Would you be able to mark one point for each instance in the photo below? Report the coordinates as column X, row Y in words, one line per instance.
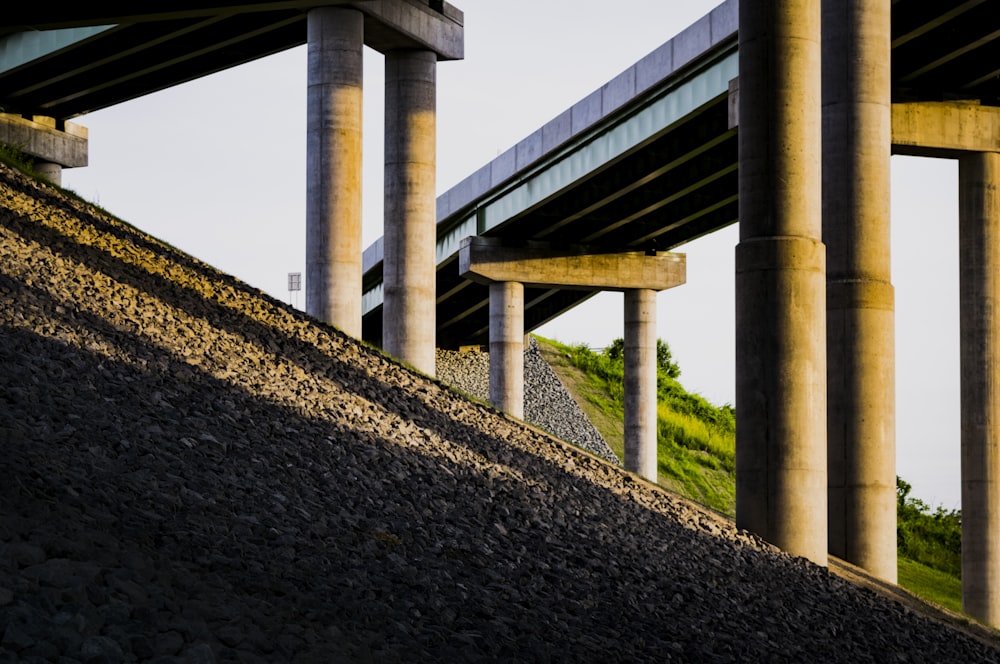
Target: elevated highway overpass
column 721, row 123
column 650, row 160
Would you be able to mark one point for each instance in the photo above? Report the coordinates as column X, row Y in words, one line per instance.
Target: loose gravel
column 193, row 472
column 547, row 403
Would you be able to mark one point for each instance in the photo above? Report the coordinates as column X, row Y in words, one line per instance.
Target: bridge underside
column 94, row 55
column 679, row 186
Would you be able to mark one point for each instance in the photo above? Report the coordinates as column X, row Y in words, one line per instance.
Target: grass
column 931, row 584
column 696, row 443
column 15, row 157
column 696, row 453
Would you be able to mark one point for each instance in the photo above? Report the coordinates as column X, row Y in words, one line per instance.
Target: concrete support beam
column 333, row 167
column 944, row 129
column 432, row 25
column 640, row 383
column 979, row 303
column 43, row 139
column 781, row 491
column 408, row 313
column 861, row 387
column 640, row 276
column 394, row 25
column 539, row 264
column 507, row 347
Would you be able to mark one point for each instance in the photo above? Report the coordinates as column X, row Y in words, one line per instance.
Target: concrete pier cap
column 54, row 145
column 507, row 268
column 486, row 260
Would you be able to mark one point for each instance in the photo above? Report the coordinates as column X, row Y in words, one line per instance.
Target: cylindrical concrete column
column 507, row 347
column 410, row 208
column 640, row 383
column 861, row 385
column 50, row 171
column 333, row 167
column 780, row 281
column 979, row 304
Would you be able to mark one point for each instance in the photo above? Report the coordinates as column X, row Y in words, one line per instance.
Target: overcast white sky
column 216, row 167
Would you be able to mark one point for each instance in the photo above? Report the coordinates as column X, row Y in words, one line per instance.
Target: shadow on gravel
column 153, row 498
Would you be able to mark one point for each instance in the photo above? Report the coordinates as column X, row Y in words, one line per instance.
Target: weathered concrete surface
column 394, row 25
column 49, row 171
column 487, row 260
column 861, row 386
column 408, row 313
column 979, row 305
column 640, row 383
column 195, row 472
column 333, row 167
column 40, row 138
column 781, row 491
column 507, row 347
column 944, row 129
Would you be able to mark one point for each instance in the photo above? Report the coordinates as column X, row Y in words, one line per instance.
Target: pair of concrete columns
column 333, row 203
column 815, row 356
column 507, row 269
column 815, row 390
column 507, row 367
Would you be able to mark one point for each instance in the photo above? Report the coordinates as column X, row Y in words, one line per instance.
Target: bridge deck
column 649, row 160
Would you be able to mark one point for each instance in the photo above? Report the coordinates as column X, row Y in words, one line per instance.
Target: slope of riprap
column 190, row 471
column 547, row 403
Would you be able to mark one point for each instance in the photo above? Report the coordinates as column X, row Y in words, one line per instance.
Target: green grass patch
column 931, row 584
column 696, row 456
column 15, row 157
column 696, row 441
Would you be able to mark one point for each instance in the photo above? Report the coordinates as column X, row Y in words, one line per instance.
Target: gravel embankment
column 547, row 403
column 191, row 472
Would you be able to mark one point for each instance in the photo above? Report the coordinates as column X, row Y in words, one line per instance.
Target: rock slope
column 192, row 472
column 547, row 403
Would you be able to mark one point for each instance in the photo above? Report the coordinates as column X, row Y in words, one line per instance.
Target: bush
column 930, row 537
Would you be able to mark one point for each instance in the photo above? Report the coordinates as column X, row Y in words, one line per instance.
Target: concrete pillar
column 507, row 347
column 410, row 208
column 781, row 491
column 640, row 383
column 50, row 171
column 979, row 303
column 861, row 385
column 333, row 167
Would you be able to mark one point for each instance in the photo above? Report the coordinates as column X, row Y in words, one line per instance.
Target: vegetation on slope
column 696, row 440
column 696, row 451
column 15, row 157
column 929, row 543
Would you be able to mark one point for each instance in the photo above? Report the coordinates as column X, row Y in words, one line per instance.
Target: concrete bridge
column 749, row 114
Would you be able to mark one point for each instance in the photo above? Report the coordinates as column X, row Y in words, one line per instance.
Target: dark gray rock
column 287, row 494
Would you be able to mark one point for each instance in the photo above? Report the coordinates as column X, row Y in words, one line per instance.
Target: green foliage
column 664, row 358
column 696, row 457
column 14, row 156
column 695, row 439
column 937, row 586
column 930, row 537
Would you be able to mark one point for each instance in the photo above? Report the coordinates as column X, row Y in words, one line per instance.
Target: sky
column 216, row 167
